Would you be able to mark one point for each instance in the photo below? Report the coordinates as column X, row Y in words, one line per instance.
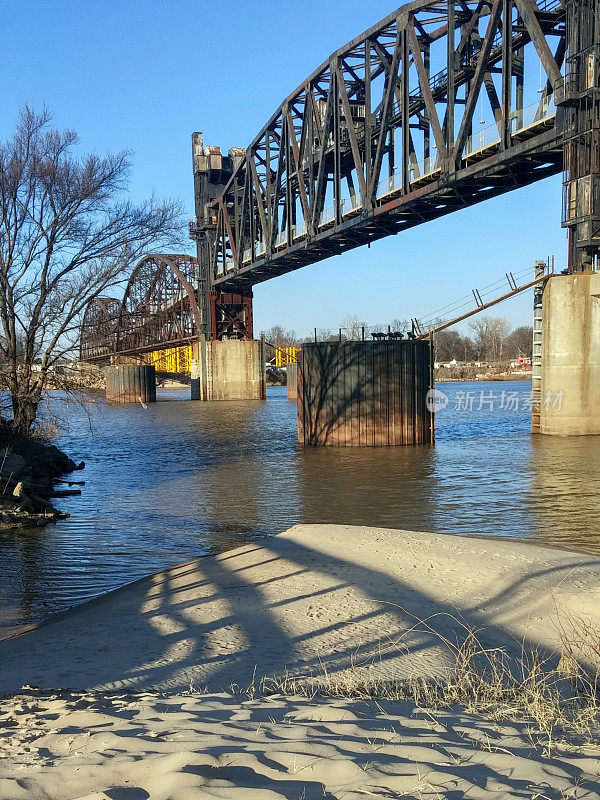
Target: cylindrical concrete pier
column 131, row 383
column 365, row 394
column 292, row 381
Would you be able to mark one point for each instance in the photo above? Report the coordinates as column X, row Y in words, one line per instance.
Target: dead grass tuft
column 557, row 691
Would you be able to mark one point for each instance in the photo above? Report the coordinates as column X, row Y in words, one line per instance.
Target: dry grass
column 558, row 692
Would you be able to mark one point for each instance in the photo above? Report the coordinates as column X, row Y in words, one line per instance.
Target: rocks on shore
column 29, row 469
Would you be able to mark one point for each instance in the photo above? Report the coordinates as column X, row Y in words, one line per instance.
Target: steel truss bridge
column 159, row 310
column 384, row 136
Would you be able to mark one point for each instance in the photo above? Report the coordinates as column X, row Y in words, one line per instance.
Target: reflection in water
column 181, row 479
column 564, row 487
column 389, row 487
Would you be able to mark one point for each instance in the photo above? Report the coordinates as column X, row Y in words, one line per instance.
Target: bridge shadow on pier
column 364, row 393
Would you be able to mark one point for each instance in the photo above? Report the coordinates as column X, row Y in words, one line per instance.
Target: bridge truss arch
column 160, row 306
column 98, row 336
column 159, row 310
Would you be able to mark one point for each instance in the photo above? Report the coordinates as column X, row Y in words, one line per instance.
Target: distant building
column 522, row 362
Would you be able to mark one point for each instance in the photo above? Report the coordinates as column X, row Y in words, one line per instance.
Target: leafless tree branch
column 67, row 235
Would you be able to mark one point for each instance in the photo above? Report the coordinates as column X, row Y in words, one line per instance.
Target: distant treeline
column 490, row 339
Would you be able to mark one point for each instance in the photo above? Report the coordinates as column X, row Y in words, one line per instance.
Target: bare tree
column 519, row 342
column 490, row 334
column 66, row 236
column 400, row 325
column 450, row 345
column 352, row 327
column 278, row 337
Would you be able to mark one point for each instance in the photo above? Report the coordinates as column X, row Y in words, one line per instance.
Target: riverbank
column 138, row 688
column 441, row 375
column 29, row 470
column 472, row 374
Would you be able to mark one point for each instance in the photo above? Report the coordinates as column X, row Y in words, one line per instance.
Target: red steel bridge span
column 159, row 309
column 387, row 134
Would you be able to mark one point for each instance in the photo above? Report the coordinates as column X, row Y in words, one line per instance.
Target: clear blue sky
column 143, row 76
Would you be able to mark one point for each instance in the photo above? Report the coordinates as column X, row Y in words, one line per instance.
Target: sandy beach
column 140, row 694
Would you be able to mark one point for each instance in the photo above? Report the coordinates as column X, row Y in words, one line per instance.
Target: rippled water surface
column 184, row 478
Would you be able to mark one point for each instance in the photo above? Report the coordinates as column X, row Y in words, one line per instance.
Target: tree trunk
column 25, row 406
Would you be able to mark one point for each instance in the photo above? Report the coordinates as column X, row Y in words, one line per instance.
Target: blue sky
column 144, row 76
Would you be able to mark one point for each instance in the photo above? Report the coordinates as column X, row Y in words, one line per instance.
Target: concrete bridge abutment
column 228, row 369
column 570, row 375
column 365, row 394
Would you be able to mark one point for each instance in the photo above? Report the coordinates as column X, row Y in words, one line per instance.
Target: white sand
column 189, row 748
column 313, row 596
column 316, row 596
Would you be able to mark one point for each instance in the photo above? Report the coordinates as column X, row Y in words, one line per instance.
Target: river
column 180, row 479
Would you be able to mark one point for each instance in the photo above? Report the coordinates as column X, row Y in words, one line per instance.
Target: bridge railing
column 536, row 112
column 479, row 141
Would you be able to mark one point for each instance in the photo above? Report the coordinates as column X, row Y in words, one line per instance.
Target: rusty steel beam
column 159, row 304
column 97, row 340
column 480, row 307
column 159, row 309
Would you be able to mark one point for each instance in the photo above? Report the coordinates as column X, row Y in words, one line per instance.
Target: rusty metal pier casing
column 365, row 394
column 131, row 383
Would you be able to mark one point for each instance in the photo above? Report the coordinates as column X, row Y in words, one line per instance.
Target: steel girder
column 581, row 191
column 160, row 306
column 383, row 136
column 231, row 315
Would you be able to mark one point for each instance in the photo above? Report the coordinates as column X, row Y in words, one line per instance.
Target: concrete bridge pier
column 130, row 383
column 292, row 381
column 570, row 381
column 228, row 369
